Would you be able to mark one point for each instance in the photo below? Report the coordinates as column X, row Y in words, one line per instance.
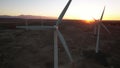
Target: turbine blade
column 104, row 27
column 36, row 27
column 102, row 14
column 55, row 50
column 63, row 13
column 64, row 45
column 94, row 19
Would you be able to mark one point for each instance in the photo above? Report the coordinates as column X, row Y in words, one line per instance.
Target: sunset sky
column 78, row 9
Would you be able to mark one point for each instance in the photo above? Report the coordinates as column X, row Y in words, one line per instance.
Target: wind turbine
column 98, row 25
column 57, row 34
column 26, row 24
column 42, row 21
column 95, row 27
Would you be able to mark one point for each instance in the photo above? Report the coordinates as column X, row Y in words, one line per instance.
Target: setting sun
column 89, row 21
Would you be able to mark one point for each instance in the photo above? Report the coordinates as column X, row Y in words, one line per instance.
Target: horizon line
column 51, row 17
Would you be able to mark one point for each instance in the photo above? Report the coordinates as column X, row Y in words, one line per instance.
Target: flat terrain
column 34, row 49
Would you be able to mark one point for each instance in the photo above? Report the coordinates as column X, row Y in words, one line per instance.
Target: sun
column 89, row 21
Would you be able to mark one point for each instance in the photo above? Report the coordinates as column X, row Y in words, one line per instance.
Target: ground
column 34, row 48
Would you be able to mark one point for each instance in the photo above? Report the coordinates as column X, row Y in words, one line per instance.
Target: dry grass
column 34, row 49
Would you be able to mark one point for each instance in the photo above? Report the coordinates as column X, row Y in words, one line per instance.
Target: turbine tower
column 98, row 26
column 57, row 34
column 42, row 21
column 26, row 24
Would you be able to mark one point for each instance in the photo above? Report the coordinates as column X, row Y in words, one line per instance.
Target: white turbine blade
column 104, row 27
column 102, row 23
column 55, row 50
column 64, row 45
column 94, row 19
column 36, row 27
column 63, row 13
column 102, row 14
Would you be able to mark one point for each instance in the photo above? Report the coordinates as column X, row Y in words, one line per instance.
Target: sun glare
column 89, row 21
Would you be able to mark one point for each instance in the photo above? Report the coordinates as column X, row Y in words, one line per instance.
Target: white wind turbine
column 95, row 26
column 42, row 21
column 57, row 34
column 97, row 29
column 26, row 24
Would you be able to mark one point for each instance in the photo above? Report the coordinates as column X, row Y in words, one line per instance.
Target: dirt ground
column 34, row 48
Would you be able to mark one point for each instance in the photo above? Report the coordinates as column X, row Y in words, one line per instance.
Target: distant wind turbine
column 95, row 26
column 57, row 34
column 42, row 21
column 97, row 29
column 26, row 24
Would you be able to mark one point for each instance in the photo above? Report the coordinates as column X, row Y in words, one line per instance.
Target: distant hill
column 27, row 17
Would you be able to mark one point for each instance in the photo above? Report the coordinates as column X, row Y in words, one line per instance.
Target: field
column 34, row 48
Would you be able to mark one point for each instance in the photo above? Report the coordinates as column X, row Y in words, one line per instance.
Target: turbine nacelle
column 56, row 27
